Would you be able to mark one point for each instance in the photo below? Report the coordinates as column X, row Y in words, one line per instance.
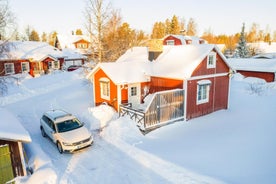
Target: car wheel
column 59, row 147
column 42, row 132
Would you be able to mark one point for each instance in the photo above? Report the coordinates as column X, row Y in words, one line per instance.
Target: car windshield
column 69, row 125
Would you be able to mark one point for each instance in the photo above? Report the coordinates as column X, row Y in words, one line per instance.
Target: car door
column 50, row 129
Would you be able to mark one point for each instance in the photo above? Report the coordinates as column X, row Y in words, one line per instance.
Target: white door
column 134, row 94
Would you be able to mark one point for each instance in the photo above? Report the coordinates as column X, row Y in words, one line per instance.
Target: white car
column 65, row 130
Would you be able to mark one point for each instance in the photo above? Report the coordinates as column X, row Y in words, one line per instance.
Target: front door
column 134, row 96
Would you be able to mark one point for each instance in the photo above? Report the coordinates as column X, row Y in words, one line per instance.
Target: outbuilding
column 12, row 137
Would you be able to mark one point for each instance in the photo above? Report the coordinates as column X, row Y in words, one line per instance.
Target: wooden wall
column 268, row 77
column 15, row 157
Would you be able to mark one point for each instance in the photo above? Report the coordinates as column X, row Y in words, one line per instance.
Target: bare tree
column 97, row 15
column 7, row 28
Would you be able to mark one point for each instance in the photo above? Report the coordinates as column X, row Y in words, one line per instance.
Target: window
column 56, row 64
column 133, row 91
column 53, row 65
column 105, row 88
column 9, row 68
column 211, row 60
column 170, row 42
column 81, row 45
column 203, row 88
column 25, row 67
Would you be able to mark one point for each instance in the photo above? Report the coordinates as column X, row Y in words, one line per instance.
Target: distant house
column 35, row 58
column 255, row 67
column 182, row 40
column 73, row 57
column 78, row 43
column 184, row 81
column 262, row 47
column 12, row 138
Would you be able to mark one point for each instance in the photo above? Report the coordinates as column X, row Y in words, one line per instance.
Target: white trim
column 13, row 70
column 202, row 82
column 27, row 66
column 119, row 96
column 94, row 90
column 22, row 158
column 213, row 65
column 208, row 76
column 185, row 87
column 106, row 81
column 206, row 84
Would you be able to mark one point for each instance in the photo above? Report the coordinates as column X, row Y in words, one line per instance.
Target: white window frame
column 25, row 67
column 170, row 42
column 9, row 66
column 53, row 65
column 211, row 60
column 203, row 91
column 133, row 91
column 105, row 88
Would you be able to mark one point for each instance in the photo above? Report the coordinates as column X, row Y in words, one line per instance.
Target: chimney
column 155, row 49
column 183, row 32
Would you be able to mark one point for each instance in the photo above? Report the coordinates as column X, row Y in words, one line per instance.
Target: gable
column 172, row 38
column 203, row 69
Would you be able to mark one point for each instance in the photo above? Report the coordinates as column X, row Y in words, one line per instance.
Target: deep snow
column 229, row 146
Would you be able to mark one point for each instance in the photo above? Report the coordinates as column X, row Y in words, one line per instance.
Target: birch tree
column 97, row 15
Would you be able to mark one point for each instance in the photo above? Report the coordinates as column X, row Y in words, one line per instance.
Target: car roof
column 58, row 114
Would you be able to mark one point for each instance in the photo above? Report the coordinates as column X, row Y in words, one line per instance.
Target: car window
column 69, row 125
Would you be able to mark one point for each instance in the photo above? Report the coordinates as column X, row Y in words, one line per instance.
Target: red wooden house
column 195, row 77
column 78, row 43
column 35, row 58
column 182, row 40
column 255, row 67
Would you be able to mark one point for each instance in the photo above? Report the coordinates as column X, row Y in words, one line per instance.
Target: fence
column 164, row 107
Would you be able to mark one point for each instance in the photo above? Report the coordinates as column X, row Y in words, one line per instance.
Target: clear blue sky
column 218, row 15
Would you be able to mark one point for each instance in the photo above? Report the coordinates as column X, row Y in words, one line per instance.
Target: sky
column 221, row 17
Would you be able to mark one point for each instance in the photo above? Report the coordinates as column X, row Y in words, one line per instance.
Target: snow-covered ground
column 236, row 146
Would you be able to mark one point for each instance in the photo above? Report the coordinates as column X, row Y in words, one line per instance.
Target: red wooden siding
column 268, row 77
column 113, row 90
column 81, row 44
column 219, row 89
column 176, row 40
column 218, row 97
column 17, row 66
column 162, row 84
column 221, row 67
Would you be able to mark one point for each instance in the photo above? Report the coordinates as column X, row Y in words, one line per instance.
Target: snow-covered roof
column 183, row 38
column 177, row 62
column 180, row 61
column 263, row 47
column 134, row 54
column 30, row 50
column 126, row 72
column 11, row 128
column 266, row 56
column 72, row 54
column 68, row 40
column 251, row 64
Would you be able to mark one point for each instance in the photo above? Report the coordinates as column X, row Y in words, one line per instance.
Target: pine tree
column 241, row 49
column 34, row 36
